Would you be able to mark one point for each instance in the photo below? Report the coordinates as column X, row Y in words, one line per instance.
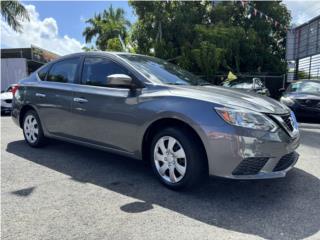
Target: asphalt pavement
column 65, row 191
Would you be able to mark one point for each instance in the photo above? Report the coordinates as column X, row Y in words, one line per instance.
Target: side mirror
column 282, row 90
column 120, row 81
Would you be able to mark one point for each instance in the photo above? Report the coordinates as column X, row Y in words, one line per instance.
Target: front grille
column 286, row 161
column 8, row 100
column 250, row 166
column 288, row 121
column 309, row 102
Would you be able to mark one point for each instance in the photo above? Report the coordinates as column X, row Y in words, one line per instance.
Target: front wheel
column 178, row 159
column 32, row 129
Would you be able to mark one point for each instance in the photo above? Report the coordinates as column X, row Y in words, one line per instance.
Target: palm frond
column 13, row 12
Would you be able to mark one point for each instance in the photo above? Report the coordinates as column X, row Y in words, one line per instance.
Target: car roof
column 102, row 53
column 92, row 53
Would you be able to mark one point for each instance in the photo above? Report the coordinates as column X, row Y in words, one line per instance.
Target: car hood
column 231, row 98
column 6, row 95
column 296, row 95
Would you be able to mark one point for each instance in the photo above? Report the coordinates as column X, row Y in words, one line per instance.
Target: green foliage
column 114, row 44
column 208, row 39
column 105, row 26
column 208, row 57
column 89, row 49
column 303, row 75
column 13, row 12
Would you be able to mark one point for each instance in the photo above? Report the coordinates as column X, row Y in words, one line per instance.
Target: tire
column 178, row 169
column 32, row 129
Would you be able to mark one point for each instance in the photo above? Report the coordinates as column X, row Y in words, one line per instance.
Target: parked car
column 248, row 84
column 149, row 109
column 303, row 97
column 6, row 100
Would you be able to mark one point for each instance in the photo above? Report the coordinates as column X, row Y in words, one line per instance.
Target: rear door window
column 64, row 71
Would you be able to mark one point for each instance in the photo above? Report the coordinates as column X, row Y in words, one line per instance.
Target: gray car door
column 54, row 95
column 102, row 115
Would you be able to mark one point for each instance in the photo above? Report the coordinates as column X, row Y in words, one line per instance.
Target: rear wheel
column 32, row 129
column 177, row 159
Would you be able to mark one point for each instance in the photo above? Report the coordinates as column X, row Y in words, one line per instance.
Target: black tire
column 196, row 161
column 40, row 138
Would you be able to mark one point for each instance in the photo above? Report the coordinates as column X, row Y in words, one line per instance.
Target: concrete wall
column 12, row 70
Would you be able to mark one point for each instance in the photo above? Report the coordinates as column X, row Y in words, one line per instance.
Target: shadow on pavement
column 287, row 208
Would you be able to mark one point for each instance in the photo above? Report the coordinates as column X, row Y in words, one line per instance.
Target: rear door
column 104, row 115
column 54, row 95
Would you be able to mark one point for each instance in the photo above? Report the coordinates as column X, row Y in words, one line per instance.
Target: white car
column 6, row 100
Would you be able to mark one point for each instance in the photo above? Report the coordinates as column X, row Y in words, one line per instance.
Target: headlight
column 246, row 119
column 287, row 101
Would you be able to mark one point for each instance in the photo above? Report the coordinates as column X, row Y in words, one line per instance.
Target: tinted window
column 64, row 71
column 42, row 73
column 96, row 70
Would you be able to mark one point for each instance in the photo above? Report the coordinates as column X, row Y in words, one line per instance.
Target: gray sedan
column 149, row 109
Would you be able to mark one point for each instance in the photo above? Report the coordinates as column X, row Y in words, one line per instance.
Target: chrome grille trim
column 287, row 123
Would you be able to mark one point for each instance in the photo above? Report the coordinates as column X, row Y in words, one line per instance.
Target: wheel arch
column 23, row 111
column 154, row 127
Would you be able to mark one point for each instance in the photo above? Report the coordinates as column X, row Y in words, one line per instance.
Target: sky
column 57, row 25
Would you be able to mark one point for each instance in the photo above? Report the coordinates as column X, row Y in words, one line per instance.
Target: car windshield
column 161, row 71
column 305, row 87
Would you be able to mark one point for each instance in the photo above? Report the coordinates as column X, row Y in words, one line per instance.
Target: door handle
column 41, row 95
column 80, row 100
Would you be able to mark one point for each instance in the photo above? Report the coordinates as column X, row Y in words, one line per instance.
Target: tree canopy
column 209, row 38
column 206, row 37
column 107, row 27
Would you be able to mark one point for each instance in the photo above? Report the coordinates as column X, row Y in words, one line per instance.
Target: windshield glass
column 307, row 87
column 161, row 71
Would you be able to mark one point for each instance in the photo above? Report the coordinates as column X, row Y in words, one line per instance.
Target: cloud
column 303, row 11
column 42, row 33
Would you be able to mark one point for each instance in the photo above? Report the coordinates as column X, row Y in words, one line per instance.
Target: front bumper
column 246, row 154
column 306, row 112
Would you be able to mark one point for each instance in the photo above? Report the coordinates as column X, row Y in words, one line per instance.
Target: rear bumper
column 259, row 156
column 6, row 109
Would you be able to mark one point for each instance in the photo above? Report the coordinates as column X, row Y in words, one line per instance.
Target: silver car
column 6, row 100
column 149, row 109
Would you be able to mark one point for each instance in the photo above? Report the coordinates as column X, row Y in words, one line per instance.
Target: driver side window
column 96, row 70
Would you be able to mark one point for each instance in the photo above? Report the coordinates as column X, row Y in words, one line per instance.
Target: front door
column 103, row 115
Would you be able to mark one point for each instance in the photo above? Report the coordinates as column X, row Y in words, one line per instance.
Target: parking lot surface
column 65, row 191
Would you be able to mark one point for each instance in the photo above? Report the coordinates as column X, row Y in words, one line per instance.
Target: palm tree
column 13, row 12
column 105, row 26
